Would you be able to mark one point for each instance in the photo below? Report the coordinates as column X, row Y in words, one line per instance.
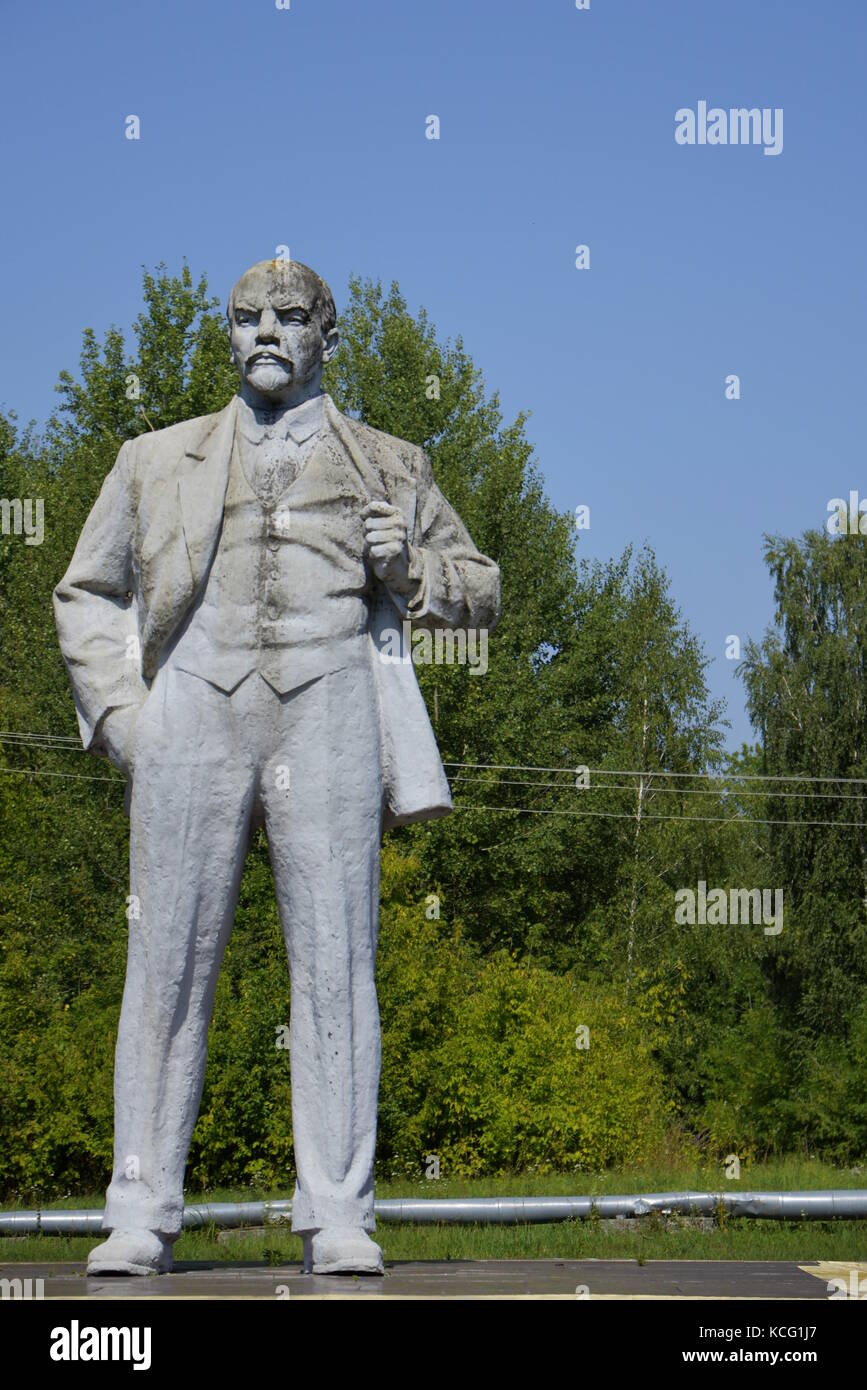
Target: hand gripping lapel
column 415, row 782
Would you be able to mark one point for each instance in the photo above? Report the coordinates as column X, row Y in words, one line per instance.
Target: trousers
column 207, row 766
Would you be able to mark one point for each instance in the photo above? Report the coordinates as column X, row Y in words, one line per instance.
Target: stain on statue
column 256, row 554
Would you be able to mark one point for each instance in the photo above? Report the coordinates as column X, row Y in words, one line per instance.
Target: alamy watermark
column 719, row 908
column 77, row 1343
column 16, row 515
column 847, row 521
column 736, row 126
column 856, row 1288
column 26, row 1289
column 445, row 647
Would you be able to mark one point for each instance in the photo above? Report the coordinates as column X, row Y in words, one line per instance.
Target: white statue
column 219, row 622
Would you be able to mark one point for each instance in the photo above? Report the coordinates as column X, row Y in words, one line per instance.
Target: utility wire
column 515, row 810
column 65, row 742
column 654, row 791
column 42, row 740
column 658, row 772
column 70, row 776
column 626, row 815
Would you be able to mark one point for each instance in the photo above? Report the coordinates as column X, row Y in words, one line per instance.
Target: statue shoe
column 341, row 1250
column 131, row 1252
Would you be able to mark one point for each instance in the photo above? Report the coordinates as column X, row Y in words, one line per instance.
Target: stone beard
column 263, row 546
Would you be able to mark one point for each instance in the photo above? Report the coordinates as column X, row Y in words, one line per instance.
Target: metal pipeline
column 779, row 1206
column 831, row 1204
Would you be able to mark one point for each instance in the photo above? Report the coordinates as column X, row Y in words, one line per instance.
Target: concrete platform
column 454, row 1279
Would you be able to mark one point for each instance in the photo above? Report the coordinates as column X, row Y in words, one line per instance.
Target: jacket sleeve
column 458, row 587
column 94, row 608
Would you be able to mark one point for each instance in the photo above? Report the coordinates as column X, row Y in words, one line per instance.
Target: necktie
column 272, row 459
column 276, row 463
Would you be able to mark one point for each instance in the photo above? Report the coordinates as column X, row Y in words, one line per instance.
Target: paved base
column 455, row 1279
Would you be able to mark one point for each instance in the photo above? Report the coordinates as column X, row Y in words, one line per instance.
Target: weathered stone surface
column 222, row 622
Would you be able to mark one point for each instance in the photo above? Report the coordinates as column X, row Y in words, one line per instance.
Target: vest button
column 272, row 610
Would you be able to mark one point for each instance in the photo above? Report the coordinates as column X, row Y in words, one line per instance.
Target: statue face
column 276, row 341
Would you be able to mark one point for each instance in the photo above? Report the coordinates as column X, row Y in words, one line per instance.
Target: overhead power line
column 627, row 815
column 627, row 787
column 67, row 742
column 659, row 772
column 513, row 810
column 70, row 742
column 42, row 740
column 70, row 776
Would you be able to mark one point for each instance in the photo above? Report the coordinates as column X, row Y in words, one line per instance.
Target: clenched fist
column 387, row 546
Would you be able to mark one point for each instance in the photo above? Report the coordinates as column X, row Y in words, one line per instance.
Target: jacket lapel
column 380, row 484
column 182, row 532
column 202, row 489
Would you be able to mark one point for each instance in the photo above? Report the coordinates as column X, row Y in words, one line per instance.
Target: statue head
column 282, row 332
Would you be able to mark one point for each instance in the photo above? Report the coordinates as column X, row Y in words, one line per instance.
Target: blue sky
column 306, row 127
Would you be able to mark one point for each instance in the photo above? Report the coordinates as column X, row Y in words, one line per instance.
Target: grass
column 650, row 1238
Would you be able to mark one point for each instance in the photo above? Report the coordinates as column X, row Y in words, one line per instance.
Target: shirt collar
column 300, row 421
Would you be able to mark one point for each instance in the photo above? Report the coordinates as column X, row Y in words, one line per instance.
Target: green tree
column 553, row 897
column 806, row 685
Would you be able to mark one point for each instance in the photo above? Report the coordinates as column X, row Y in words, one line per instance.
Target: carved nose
column 267, row 328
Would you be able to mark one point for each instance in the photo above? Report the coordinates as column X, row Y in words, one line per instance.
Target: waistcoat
column 288, row 591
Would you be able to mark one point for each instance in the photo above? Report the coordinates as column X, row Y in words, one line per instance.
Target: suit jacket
column 147, row 546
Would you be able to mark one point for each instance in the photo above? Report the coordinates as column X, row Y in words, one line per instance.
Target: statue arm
column 457, row 586
column 95, row 612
